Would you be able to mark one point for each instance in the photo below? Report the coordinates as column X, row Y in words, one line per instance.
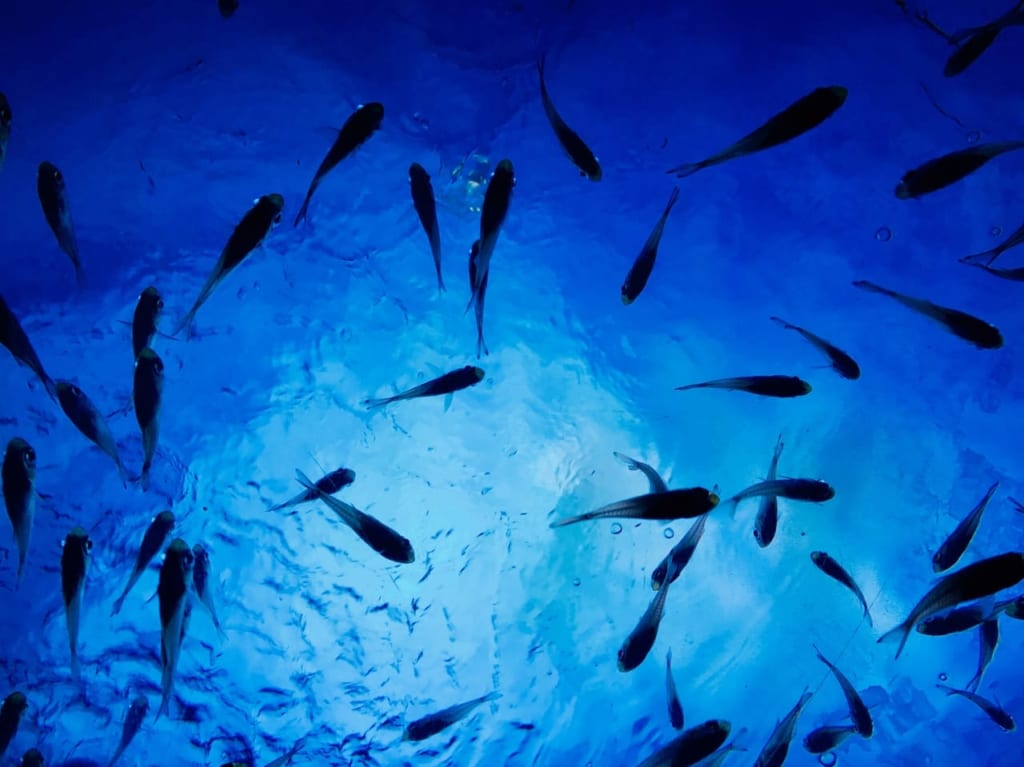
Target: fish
column 691, row 746
column 716, row 758
column 227, row 8
column 5, row 128
column 946, row 170
column 1012, row 275
column 449, row 383
column 640, row 272
column 147, row 314
column 793, row 489
column 990, row 255
column 147, row 393
column 74, row 566
column 968, row 52
column 13, row 707
column 776, row 748
column 175, row 575
column 982, row 334
column 19, row 480
column 87, row 419
column 31, row 758
column 801, row 116
column 833, row 569
column 859, row 714
column 654, row 480
column 675, row 708
column 680, row 555
column 355, row 131
column 378, row 536
column 53, row 196
column 765, row 386
column 766, row 523
column 638, row 644
column 576, row 149
column 841, row 362
column 956, row 620
column 828, row 738
column 686, row 503
column 201, row 582
column 988, row 640
column 478, row 303
column 331, row 483
column 1017, row 505
column 953, row 548
column 426, row 208
column 14, row 339
column 432, row 724
column 152, row 541
column 995, row 713
column 246, row 237
column 132, row 724
column 975, row 581
column 497, row 199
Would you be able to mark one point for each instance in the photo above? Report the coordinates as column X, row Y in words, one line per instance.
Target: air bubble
column 974, row 137
column 884, row 234
column 828, row 760
column 943, row 677
column 669, row 533
column 616, row 528
column 996, row 231
column 575, row 581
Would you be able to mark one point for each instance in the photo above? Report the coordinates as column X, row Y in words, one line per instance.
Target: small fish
column 765, row 386
column 175, row 575
column 497, row 198
column 828, row 738
column 32, row 758
column 13, row 337
column 687, row 503
column 357, row 129
column 246, row 237
column 956, row 544
column 74, row 565
column 643, row 264
column 479, row 298
column 332, row 483
column 675, row 708
column 995, row 713
column 956, row 620
column 147, row 314
column 833, row 569
column 1017, row 505
column 53, row 196
column 638, row 644
column 859, row 714
column 573, row 145
column 975, row 581
column 5, row 128
column 87, row 419
column 1012, row 275
column 691, row 746
column 227, row 8
column 810, row 490
column 990, row 255
column 132, row 724
column 657, row 484
column 946, row 170
column 842, row 362
column 18, row 480
column 201, row 582
column 431, row 724
column 968, row 52
column 378, row 536
column 426, row 209
column 980, row 333
column 798, row 118
column 147, row 393
column 777, row 747
column 152, row 541
column 680, row 555
column 13, row 707
column 988, row 638
column 456, row 380
column 766, row 523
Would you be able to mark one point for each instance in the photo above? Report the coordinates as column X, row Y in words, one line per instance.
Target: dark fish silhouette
column 859, row 714
column 13, row 337
column 988, row 639
column 74, row 565
column 776, row 749
column 480, row 298
column 828, row 738
column 152, row 541
column 638, row 644
column 687, row 503
column 691, row 746
column 680, row 555
column 833, row 569
column 449, row 383
column 842, row 362
column 201, row 574
column 946, row 170
column 497, row 199
column 330, row 484
column 766, row 523
column 173, row 591
column 13, row 707
column 423, row 728
column 1013, row 275
column 5, row 134
column 643, row 264
column 227, row 8
column 147, row 395
column 654, row 480
column 956, row 620
column 990, row 255
column 573, row 145
column 971, row 43
column 765, row 386
column 675, row 708
column 811, row 490
column 426, row 208
column 53, row 196
column 19, row 480
column 32, row 758
column 956, row 544
column 132, row 724
column 147, row 314
column 995, row 713
column 87, row 419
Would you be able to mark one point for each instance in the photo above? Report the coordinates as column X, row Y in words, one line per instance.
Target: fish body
column 654, row 480
column 132, row 724
column 331, row 483
column 497, row 199
column 31, row 758
column 680, row 555
column 148, row 310
column 859, row 714
column 845, row 365
column 87, row 419
column 13, row 707
column 988, row 639
column 675, row 708
column 828, row 738
column 356, row 130
column 994, row 712
column 765, row 386
column 53, row 196
column 638, row 644
column 776, row 749
column 956, row 620
column 968, row 52
column 147, row 393
column 691, row 746
column 1012, row 275
column 478, row 298
column 766, row 523
column 5, row 128
column 431, row 724
column 577, row 150
column 793, row 489
column 833, row 569
column 798, row 118
column 687, row 503
column 172, row 590
column 426, row 208
column 956, row 544
column 456, row 380
column 19, row 480
column 982, row 334
column 201, row 582
column 946, row 170
column 74, row 565
column 152, row 541
column 640, row 272
column 15, row 340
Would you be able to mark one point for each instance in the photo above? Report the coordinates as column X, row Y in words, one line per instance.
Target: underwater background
column 168, row 120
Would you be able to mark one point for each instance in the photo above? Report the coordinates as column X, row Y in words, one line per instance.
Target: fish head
column 68, row 394
column 78, row 538
column 18, row 450
column 903, row 190
column 713, row 500
column 418, row 172
column 818, row 557
column 505, row 169
column 32, row 758
column 837, row 94
column 50, row 172
column 165, row 518
column 179, row 553
column 374, row 110
column 152, row 300
column 141, row 703
column 478, row 373
column 17, row 701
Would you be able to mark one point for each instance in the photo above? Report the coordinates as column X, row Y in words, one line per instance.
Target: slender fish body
column 956, row 544
column 833, row 569
column 680, row 555
column 432, row 724
column 988, row 641
column 330, row 484
column 426, row 209
column 497, row 199
column 87, row 419
column 946, row 170
column 691, row 746
column 53, row 196
column 147, row 393
column 132, row 724
column 479, row 298
column 828, row 738
column 640, row 272
column 859, row 713
column 19, row 480
column 994, row 712
column 576, row 149
column 764, row 386
column 675, row 708
column 201, row 572
column 766, row 523
column 15, row 340
column 152, row 541
column 13, row 707
column 841, row 362
column 456, row 380
column 173, row 593
column 957, row 620
column 777, row 747
column 687, row 503
column 74, row 565
column 148, row 310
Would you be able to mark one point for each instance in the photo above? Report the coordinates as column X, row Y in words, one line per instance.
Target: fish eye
column 159, row 303
column 88, row 544
column 158, row 365
column 277, row 219
column 30, row 456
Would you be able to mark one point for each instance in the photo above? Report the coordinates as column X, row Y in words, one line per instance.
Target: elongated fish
column 946, row 170
column 360, row 125
column 765, row 386
column 175, row 575
column 201, row 582
column 643, row 264
column 828, row 738
column 14, row 339
column 378, row 536
column 638, row 644
column 19, row 480
column 686, row 503
column 680, row 555
column 957, row 620
column 573, row 145
column 152, row 541
column 988, row 641
column 247, row 236
column 32, row 758
column 431, row 724
column 5, row 128
column 841, row 362
column 766, row 523
column 975, row 581
column 776, row 749
column 995, row 713
column 331, row 483
column 13, row 707
column 74, row 565
column 968, row 52
column 956, row 544
column 675, row 708
column 833, row 569
column 968, row 327
column 798, row 118
column 1012, row 275
column 986, row 257
column 147, row 314
column 859, row 713
column 147, row 393
column 481, row 296
column 654, row 480
column 691, row 746
column 132, row 724
column 53, row 196
column 793, row 489
column 426, row 208
column 497, row 199
column 87, row 419
column 449, row 383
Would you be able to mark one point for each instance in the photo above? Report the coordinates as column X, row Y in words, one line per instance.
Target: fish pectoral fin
column 448, row 401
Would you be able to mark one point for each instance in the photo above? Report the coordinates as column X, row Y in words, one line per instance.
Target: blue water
column 168, row 121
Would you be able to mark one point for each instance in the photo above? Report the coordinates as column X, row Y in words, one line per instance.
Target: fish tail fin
column 472, row 302
column 946, row 689
column 984, row 258
column 51, row 387
column 301, row 215
column 118, row 604
column 440, row 284
column 481, row 345
column 686, row 169
column 899, row 634
column 631, row 463
column 871, row 287
column 972, row 686
column 567, row 521
column 867, row 617
column 76, row 666
column 782, row 322
column 373, row 404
